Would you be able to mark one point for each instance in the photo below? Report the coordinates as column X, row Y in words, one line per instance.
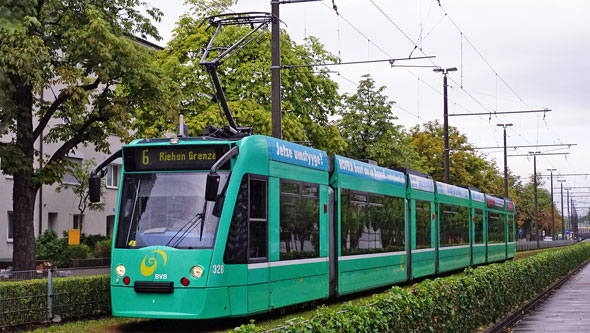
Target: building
column 58, row 211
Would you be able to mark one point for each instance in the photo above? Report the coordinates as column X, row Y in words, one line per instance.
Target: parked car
column 548, row 239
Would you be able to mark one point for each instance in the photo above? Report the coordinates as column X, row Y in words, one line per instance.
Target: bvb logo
column 152, row 263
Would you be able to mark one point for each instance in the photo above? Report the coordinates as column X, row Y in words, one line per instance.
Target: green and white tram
column 210, row 227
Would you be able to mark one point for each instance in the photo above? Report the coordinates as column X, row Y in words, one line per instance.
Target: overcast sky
column 528, row 55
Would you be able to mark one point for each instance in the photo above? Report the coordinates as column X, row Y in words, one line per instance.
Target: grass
column 266, row 321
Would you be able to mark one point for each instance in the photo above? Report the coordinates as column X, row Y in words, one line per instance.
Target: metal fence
column 28, row 297
column 532, row 245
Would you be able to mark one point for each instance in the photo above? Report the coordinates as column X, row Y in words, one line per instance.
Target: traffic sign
column 567, row 232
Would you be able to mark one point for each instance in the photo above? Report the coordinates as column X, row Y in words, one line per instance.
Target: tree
column 467, row 167
column 307, row 98
column 368, row 127
column 60, row 62
column 80, row 173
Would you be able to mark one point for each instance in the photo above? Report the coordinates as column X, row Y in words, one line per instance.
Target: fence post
column 49, row 294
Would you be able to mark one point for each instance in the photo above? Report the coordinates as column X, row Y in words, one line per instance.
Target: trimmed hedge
column 452, row 304
column 74, row 297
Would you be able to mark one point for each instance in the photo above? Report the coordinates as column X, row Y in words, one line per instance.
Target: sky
column 510, row 55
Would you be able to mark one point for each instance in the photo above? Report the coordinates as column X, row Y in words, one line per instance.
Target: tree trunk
column 23, row 191
column 23, row 203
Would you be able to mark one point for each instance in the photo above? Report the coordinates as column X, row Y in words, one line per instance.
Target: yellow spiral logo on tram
column 149, row 268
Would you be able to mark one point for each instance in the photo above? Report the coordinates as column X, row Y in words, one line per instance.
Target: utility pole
column 505, row 160
column 568, row 211
column 561, row 181
column 444, row 72
column 275, row 68
column 552, row 210
column 534, row 153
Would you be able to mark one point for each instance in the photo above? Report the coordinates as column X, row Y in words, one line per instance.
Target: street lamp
column 505, row 161
column 444, row 72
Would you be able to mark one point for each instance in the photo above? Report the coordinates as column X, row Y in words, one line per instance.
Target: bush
column 453, row 304
column 26, row 301
column 91, row 240
column 103, row 248
column 49, row 247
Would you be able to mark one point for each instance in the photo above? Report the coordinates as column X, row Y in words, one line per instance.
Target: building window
column 112, row 177
column 110, row 225
column 51, row 221
column 69, row 177
column 299, row 220
column 77, row 221
column 10, row 228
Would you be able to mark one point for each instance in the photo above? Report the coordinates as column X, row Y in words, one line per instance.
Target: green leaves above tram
column 308, row 98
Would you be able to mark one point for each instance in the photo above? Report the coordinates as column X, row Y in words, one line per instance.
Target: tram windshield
column 166, row 209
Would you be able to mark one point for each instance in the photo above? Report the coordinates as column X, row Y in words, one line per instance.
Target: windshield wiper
column 189, row 226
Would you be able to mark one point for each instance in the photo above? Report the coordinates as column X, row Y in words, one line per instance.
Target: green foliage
column 368, row 128
column 453, row 304
column 103, row 248
column 56, row 250
column 307, row 98
column 467, row 167
column 82, row 51
column 74, row 297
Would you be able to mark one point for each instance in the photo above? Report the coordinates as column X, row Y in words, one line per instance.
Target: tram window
column 257, row 199
column 511, row 229
column 423, row 225
column 247, row 239
column 371, row 223
column 299, row 220
column 237, row 238
column 454, row 225
column 496, row 223
column 478, row 226
column 257, row 228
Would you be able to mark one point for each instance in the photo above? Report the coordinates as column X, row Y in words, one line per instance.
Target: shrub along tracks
column 516, row 316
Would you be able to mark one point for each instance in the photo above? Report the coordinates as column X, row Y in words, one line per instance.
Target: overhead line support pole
column 447, row 163
column 562, row 212
column 552, row 209
column 276, row 112
column 505, row 160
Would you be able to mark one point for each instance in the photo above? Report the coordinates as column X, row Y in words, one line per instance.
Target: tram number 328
column 217, row 269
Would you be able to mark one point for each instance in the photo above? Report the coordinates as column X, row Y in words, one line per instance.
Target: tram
column 232, row 224
column 210, row 228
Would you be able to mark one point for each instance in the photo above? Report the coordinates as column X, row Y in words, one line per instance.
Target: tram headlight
column 197, row 271
column 120, row 270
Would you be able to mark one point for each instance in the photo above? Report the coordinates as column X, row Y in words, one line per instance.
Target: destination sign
column 169, row 158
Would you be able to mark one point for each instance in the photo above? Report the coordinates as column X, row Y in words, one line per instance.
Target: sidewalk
column 567, row 310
